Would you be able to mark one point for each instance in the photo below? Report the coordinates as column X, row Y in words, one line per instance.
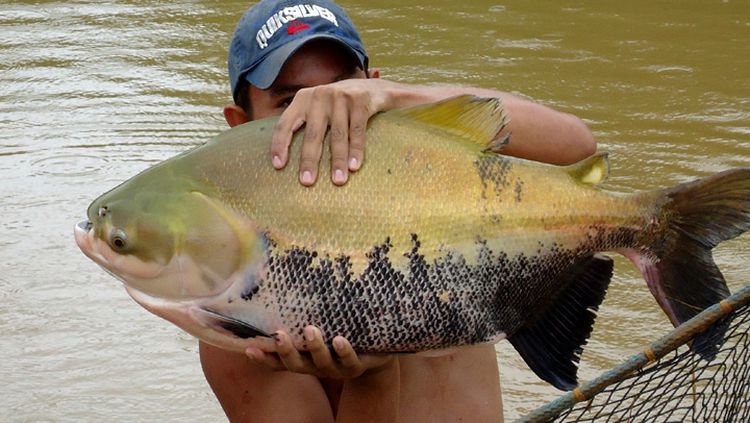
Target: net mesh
column 669, row 382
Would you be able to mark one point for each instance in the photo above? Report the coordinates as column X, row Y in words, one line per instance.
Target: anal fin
column 552, row 344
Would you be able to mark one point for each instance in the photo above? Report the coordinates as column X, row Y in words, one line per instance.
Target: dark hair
column 243, row 98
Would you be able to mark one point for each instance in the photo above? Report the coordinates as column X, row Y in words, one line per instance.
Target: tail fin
column 683, row 276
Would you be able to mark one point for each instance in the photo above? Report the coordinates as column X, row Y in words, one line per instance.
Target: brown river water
column 93, row 92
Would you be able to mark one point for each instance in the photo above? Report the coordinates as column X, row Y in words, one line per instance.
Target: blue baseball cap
column 272, row 31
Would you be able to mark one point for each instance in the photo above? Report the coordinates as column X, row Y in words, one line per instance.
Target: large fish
column 438, row 241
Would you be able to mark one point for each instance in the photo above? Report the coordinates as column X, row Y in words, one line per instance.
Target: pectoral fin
column 237, row 327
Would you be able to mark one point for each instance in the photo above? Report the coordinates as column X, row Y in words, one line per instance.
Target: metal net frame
column 667, row 381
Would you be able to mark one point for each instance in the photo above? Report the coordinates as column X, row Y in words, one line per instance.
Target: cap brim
column 265, row 73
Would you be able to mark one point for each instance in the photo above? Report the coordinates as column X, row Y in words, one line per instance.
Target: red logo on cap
column 295, row 27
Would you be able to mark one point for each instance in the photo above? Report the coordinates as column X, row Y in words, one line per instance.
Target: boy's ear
column 373, row 73
column 235, row 115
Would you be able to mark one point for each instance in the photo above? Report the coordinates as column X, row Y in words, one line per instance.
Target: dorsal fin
column 475, row 119
column 591, row 170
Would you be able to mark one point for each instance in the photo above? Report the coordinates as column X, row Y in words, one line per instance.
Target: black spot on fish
column 493, row 172
column 415, row 241
column 519, row 190
column 343, row 269
column 247, row 295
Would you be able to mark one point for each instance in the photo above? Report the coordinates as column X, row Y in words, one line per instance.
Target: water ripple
column 69, row 165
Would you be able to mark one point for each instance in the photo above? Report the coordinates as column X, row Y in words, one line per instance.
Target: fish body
column 438, row 241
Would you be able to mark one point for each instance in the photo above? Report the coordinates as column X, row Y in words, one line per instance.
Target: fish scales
column 406, row 192
column 438, row 241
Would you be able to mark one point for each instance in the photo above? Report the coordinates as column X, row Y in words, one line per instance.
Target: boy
column 305, row 62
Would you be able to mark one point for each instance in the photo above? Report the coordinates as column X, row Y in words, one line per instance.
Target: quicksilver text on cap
column 288, row 14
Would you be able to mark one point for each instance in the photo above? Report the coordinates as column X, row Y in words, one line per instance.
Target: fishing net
column 668, row 382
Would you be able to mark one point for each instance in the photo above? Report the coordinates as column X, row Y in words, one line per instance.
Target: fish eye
column 119, row 240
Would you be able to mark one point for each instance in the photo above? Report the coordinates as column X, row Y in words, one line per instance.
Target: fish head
column 174, row 242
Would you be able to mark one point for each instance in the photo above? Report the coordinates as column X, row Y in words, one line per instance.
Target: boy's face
column 316, row 63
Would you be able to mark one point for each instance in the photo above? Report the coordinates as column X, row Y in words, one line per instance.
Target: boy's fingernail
column 307, row 177
column 277, row 162
column 339, row 176
column 309, row 334
column 353, row 163
column 338, row 344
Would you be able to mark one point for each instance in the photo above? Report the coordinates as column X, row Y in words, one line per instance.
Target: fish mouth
column 85, row 225
column 83, row 236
